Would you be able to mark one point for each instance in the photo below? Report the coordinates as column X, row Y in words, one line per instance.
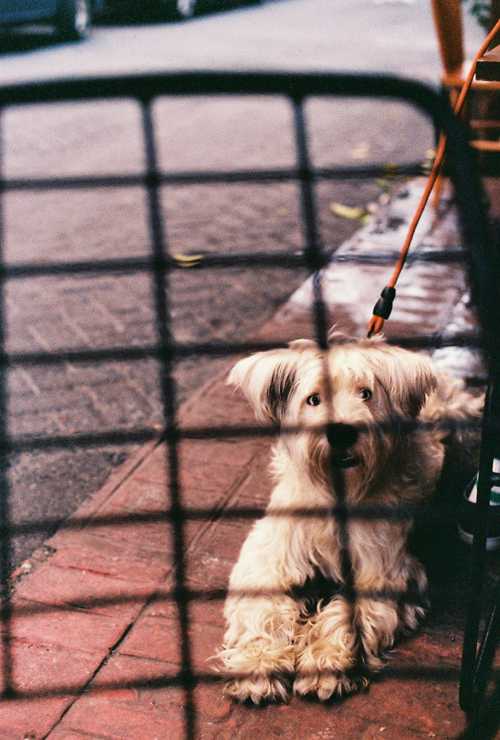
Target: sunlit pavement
column 112, row 669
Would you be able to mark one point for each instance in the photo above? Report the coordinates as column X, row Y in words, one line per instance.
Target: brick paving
column 95, row 634
column 93, row 311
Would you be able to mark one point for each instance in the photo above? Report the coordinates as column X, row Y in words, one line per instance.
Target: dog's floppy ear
column 407, row 376
column 267, row 379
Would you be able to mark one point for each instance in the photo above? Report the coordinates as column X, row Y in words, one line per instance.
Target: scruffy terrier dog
column 372, row 456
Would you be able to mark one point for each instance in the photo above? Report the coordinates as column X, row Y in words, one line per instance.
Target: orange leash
column 383, row 307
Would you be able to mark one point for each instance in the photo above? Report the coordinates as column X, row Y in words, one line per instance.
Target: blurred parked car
column 181, row 9
column 188, row 8
column 71, row 18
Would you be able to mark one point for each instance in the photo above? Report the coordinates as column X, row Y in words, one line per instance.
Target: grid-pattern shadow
column 162, row 267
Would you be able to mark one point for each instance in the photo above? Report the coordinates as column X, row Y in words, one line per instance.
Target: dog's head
column 342, row 406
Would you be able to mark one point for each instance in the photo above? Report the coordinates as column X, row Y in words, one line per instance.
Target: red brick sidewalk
column 95, row 635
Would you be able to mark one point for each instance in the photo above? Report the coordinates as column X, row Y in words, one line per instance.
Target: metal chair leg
column 477, row 660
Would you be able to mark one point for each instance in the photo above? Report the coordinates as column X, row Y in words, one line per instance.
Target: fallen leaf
column 187, row 260
column 353, row 213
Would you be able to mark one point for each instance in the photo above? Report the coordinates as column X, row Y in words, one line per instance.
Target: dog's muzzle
column 341, row 437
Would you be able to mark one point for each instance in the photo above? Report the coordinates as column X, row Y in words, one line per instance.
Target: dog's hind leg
column 378, row 623
column 398, row 608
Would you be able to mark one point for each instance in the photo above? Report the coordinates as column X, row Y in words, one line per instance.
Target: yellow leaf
column 353, row 213
column 187, row 260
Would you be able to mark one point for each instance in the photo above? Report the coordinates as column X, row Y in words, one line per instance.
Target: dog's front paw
column 258, row 689
column 328, row 684
column 327, row 651
column 259, row 671
column 326, row 672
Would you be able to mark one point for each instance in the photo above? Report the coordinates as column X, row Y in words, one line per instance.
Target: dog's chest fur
column 379, row 514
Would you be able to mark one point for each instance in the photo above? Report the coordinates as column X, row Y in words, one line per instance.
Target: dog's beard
column 356, row 468
column 326, row 465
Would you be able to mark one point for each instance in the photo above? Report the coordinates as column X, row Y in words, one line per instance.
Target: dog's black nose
column 341, row 436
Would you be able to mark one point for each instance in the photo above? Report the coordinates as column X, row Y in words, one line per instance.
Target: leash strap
column 383, row 307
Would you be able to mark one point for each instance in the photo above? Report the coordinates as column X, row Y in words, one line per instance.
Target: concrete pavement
column 95, row 631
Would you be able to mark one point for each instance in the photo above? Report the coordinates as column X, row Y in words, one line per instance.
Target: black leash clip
column 383, row 306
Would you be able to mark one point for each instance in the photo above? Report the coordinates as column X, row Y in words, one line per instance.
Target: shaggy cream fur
column 386, row 463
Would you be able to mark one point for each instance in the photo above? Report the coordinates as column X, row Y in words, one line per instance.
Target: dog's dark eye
column 365, row 394
column 313, row 400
